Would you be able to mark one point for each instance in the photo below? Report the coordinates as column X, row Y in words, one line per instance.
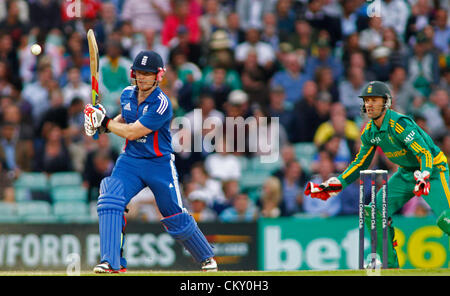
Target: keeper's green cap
column 376, row 89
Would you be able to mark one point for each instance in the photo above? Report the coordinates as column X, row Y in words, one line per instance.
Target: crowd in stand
column 302, row 61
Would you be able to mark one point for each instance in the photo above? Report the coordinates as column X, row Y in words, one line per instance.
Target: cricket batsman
column 423, row 168
column 147, row 160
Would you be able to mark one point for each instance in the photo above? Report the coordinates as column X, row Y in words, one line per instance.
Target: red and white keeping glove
column 422, row 183
column 95, row 116
column 324, row 191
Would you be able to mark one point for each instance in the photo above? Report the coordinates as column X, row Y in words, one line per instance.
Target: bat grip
column 96, row 132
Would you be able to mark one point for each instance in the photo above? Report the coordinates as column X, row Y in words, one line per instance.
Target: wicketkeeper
column 423, row 168
column 147, row 160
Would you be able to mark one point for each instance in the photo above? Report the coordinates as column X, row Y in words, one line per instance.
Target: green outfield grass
column 393, row 272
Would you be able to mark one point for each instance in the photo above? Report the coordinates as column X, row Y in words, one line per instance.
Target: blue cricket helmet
column 148, row 61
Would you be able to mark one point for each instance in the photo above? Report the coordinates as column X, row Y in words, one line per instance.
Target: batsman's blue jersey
column 154, row 113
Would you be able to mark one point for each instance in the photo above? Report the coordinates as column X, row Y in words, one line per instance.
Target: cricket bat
column 94, row 64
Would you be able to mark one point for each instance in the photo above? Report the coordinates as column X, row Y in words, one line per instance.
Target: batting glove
column 89, row 129
column 422, row 183
column 96, row 116
column 324, row 191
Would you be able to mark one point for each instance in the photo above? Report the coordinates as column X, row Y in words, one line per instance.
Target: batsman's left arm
column 132, row 131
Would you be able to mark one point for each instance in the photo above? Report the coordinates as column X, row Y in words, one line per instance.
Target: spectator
column 150, row 42
column 76, row 88
column 398, row 50
column 420, row 17
column 442, row 31
column 338, row 125
column 350, row 49
column 218, row 88
column 292, row 188
column 12, row 113
column 338, row 149
column 395, row 15
column 7, row 87
column 223, row 165
column 230, row 190
column 372, row 37
column 321, row 21
column 254, row 79
column 77, row 56
column 181, row 43
column 326, row 82
column 221, row 55
column 271, row 198
column 146, row 14
column 6, row 185
column 278, row 107
column 180, row 16
column 307, row 114
column 198, row 204
column 13, row 24
column 436, row 111
column 287, row 155
column 269, row 32
column 324, row 58
column 75, row 121
column 302, row 39
column 15, row 153
column 350, row 89
column 381, row 65
column 349, row 17
column 98, row 164
column 265, row 53
column 251, row 12
column 45, row 15
column 56, row 114
column 317, row 207
column 53, row 156
column 213, row 19
column 243, row 210
column 23, row 10
column 406, row 98
column 423, row 66
column 235, row 33
column 107, row 24
column 285, row 18
column 37, row 93
column 209, row 187
column 291, row 78
column 114, row 75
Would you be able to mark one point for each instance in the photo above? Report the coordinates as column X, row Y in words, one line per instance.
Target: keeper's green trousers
column 400, row 191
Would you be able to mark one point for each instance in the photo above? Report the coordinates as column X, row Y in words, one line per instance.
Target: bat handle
column 96, row 132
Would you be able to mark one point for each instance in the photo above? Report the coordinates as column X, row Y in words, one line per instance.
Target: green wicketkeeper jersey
column 401, row 140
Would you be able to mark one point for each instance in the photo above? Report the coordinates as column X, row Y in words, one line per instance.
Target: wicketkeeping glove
column 324, row 191
column 422, row 183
